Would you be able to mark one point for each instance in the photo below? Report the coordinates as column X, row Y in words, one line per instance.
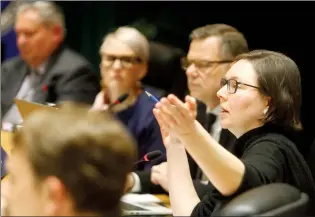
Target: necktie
column 211, row 118
column 202, row 113
column 34, row 80
column 26, row 92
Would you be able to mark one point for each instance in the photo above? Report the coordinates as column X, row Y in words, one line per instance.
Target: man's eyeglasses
column 201, row 65
column 125, row 61
column 233, row 84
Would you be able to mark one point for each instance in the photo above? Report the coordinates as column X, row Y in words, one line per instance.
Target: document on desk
column 143, row 205
column 140, row 198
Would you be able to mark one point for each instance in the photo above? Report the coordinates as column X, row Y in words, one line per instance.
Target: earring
column 265, row 110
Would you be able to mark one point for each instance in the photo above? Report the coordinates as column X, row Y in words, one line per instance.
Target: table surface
column 6, row 143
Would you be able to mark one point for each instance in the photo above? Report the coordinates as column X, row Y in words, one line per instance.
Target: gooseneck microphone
column 119, row 100
column 150, row 156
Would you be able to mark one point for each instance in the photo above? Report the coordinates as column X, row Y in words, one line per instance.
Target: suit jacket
column 227, row 140
column 68, row 77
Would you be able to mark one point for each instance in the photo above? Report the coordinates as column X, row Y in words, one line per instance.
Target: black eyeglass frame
column 227, row 82
column 185, row 62
column 125, row 61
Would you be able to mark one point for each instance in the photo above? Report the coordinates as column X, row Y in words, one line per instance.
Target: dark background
column 288, row 27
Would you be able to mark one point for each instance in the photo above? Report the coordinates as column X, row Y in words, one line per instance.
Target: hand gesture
column 175, row 117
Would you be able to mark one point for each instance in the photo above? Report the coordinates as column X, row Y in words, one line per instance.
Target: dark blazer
column 227, row 140
column 68, row 77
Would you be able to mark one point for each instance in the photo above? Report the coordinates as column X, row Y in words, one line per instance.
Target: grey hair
column 132, row 38
column 49, row 12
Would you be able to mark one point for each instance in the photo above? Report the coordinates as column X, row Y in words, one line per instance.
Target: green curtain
column 88, row 22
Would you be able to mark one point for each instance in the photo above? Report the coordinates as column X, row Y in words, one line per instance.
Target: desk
column 164, row 198
column 6, row 141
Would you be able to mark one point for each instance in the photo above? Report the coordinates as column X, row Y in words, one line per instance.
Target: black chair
column 164, row 71
column 311, row 159
column 277, row 199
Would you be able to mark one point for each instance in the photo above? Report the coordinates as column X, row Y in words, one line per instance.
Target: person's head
column 69, row 162
column 212, row 50
column 40, row 28
column 261, row 87
column 124, row 57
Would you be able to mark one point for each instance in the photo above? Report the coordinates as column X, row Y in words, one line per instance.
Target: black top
column 269, row 156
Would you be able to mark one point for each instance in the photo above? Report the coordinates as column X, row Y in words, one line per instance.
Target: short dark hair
column 91, row 153
column 279, row 78
column 233, row 41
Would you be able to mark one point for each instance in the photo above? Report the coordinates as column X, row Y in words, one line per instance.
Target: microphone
column 119, row 100
column 150, row 156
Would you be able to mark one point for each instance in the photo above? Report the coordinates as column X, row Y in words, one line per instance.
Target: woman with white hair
column 124, row 62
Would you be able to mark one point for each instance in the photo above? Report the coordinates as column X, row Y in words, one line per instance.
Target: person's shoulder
column 13, row 62
column 72, row 57
column 275, row 141
column 145, row 104
column 68, row 62
column 144, row 108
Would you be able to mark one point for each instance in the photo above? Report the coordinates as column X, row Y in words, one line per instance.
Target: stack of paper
column 140, row 198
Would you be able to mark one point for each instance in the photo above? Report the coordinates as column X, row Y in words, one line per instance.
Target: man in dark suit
column 211, row 52
column 46, row 70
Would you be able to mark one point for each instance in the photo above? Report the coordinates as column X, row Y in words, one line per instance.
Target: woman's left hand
column 176, row 117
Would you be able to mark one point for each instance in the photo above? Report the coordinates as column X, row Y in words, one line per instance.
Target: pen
column 152, row 97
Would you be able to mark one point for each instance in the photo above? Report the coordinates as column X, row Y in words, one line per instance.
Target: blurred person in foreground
column 260, row 99
column 211, row 52
column 124, row 62
column 46, row 71
column 68, row 162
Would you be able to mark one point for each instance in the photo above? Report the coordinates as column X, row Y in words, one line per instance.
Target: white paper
column 140, row 198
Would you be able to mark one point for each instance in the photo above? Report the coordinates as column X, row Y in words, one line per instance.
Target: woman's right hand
column 168, row 139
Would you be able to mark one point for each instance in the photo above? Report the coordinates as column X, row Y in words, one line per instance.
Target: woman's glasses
column 232, row 85
column 125, row 61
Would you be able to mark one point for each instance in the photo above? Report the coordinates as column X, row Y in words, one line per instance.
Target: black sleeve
column 82, row 85
column 201, row 189
column 146, row 185
column 264, row 163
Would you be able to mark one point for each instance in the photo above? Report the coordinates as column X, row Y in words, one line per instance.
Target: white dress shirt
column 25, row 92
